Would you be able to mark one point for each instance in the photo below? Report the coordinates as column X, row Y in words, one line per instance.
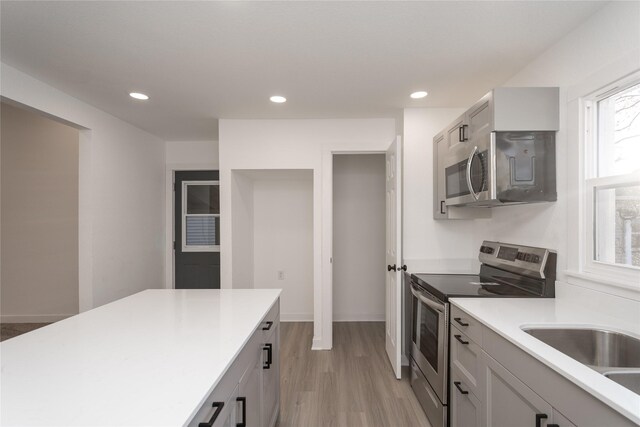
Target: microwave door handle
column 471, row 156
column 416, row 293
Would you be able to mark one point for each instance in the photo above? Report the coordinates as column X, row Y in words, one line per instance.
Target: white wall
column 39, row 217
column 283, row 241
column 191, row 153
column 359, row 237
column 429, row 245
column 609, row 39
column 121, row 193
column 296, row 144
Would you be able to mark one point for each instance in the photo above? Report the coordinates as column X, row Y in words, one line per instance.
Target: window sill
column 621, row 288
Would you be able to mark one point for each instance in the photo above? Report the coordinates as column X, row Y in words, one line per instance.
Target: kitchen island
column 157, row 358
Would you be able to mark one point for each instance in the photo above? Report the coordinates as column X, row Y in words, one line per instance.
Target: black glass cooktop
column 445, row 286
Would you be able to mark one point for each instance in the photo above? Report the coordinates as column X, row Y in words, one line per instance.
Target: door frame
column 323, row 294
column 169, row 205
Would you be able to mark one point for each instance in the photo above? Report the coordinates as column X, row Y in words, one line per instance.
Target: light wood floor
column 351, row 385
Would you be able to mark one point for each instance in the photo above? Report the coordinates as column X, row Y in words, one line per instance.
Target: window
column 612, row 180
column 201, row 216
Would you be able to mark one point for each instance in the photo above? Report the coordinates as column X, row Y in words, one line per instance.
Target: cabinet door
column 457, row 132
column 479, row 118
column 466, row 408
column 439, row 159
column 560, row 420
column 509, row 402
column 250, row 395
column 271, row 378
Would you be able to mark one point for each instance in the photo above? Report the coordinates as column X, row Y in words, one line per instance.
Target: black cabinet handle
column 457, row 384
column 243, row 400
column 553, row 425
column 391, row 267
column 268, row 327
column 403, row 268
column 462, row 134
column 442, row 207
column 459, row 338
column 539, row 418
column 269, row 362
column 218, row 406
column 460, row 322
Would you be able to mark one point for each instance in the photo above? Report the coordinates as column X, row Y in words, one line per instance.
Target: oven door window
column 456, row 180
column 429, row 322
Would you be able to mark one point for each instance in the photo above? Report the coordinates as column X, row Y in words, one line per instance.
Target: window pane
column 617, row 213
column 203, row 199
column 619, row 133
column 202, row 230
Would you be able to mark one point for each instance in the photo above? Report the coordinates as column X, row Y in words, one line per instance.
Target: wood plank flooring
column 352, row 385
column 10, row 330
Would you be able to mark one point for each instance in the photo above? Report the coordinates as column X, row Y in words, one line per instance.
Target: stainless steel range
column 506, row 271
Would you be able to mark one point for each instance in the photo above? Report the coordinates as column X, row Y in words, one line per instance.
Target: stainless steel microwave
column 501, row 168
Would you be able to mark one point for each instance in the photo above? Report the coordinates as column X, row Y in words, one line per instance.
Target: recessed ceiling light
column 278, row 99
column 138, row 95
column 419, row 94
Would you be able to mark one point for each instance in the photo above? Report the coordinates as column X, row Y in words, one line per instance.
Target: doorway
column 197, row 229
column 39, row 220
column 359, row 238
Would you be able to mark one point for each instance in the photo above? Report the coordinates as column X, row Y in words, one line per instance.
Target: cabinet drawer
column 228, row 383
column 218, row 414
column 270, row 321
column 466, row 408
column 467, row 324
column 466, row 357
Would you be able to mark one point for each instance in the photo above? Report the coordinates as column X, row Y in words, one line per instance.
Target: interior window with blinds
column 201, row 216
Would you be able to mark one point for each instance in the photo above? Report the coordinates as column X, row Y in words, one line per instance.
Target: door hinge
column 174, row 245
column 174, row 186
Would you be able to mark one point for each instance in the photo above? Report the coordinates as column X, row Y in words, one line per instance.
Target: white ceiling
column 200, row 61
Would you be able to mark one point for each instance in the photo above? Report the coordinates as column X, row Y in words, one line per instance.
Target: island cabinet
column 496, row 384
column 249, row 392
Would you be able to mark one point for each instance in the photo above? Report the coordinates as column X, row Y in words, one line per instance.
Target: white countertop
column 150, row 359
column 506, row 316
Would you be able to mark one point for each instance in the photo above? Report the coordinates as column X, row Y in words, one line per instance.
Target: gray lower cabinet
column 249, row 392
column 466, row 409
column 509, row 402
column 496, row 384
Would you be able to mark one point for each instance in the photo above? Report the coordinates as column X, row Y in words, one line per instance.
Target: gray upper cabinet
column 505, row 109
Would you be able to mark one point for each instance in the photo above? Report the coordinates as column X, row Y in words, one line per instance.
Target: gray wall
column 39, row 217
column 358, row 237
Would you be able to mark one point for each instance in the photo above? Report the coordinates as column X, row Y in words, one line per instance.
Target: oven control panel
column 521, row 259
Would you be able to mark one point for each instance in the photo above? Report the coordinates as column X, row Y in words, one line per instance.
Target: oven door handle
column 425, row 299
column 471, row 156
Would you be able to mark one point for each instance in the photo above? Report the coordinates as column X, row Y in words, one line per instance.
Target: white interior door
column 393, row 300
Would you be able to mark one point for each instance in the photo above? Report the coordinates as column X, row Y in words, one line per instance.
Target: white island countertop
column 506, row 317
column 150, row 359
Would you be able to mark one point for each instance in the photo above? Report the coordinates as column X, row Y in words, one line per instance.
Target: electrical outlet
column 280, row 275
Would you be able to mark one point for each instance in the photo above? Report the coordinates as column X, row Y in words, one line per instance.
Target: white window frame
column 618, row 275
column 194, row 248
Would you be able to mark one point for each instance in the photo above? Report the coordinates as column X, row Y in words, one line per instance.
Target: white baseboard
column 296, row 317
column 358, row 317
column 33, row 318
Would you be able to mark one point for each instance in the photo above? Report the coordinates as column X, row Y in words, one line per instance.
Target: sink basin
column 597, row 348
column 630, row 380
